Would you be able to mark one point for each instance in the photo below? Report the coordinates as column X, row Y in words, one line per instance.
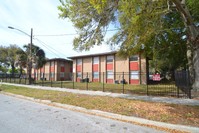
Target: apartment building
column 110, row 68
column 55, row 69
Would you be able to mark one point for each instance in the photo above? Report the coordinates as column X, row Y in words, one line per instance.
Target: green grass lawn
column 171, row 113
column 159, row 90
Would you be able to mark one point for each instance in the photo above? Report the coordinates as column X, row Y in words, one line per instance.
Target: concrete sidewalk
column 192, row 102
column 162, row 126
column 135, row 120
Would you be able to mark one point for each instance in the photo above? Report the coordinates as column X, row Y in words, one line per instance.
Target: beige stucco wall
column 143, row 70
column 87, row 67
column 74, row 70
column 102, row 66
column 121, row 65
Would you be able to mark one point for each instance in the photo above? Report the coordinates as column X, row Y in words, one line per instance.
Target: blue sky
column 42, row 16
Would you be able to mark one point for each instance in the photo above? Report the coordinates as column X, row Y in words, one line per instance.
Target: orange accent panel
column 62, row 69
column 52, row 69
column 79, row 68
column 95, row 80
column 134, row 66
column 109, row 80
column 95, row 68
column 134, row 81
column 42, row 69
column 78, row 79
column 109, row 66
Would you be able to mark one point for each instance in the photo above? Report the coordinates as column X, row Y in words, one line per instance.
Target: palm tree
column 37, row 58
column 21, row 60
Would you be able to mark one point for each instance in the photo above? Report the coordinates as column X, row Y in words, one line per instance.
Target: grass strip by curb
column 147, row 110
column 147, row 123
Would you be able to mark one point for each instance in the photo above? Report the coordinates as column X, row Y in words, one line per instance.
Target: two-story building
column 55, row 69
column 110, row 68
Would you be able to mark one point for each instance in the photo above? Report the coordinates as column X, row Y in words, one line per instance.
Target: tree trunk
column 29, row 72
column 196, row 66
column 192, row 43
column 20, row 73
column 13, row 70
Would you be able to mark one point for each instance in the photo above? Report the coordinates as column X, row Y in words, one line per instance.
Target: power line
column 47, row 47
column 58, row 35
column 70, row 34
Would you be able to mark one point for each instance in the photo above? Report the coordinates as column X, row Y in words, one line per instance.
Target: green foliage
column 9, row 55
column 38, row 56
column 152, row 27
column 91, row 23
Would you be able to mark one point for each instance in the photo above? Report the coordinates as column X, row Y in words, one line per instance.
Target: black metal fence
column 127, row 83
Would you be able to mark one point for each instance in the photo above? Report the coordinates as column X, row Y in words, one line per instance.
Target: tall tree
column 37, row 57
column 139, row 22
column 9, row 55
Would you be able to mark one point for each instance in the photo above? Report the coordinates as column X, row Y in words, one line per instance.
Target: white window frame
column 79, row 74
column 109, row 58
column 62, row 64
column 95, row 60
column 62, row 74
column 110, row 74
column 95, row 75
column 79, row 61
column 52, row 63
column 134, row 56
column 134, row 74
column 52, row 75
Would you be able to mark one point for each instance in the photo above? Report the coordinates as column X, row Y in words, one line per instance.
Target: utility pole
column 29, row 69
column 30, row 59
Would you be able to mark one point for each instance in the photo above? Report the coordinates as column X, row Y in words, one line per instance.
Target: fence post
column 178, row 92
column 87, row 80
column 103, row 81
column 189, row 92
column 147, row 89
column 51, row 82
column 73, row 80
column 42, row 81
column 61, row 83
column 123, row 82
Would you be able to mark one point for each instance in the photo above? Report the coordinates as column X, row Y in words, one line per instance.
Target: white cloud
column 42, row 16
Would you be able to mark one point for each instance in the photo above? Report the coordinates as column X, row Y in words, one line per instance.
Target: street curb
column 135, row 120
column 190, row 102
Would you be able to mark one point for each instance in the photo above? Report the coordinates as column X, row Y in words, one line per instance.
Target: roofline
column 60, row 59
column 90, row 55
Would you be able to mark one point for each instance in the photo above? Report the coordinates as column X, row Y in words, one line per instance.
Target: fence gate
column 182, row 81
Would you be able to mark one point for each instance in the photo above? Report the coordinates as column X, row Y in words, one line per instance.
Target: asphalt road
column 23, row 116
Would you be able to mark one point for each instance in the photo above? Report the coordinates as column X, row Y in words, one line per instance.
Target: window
column 109, row 74
column 96, row 60
column 79, row 61
column 62, row 75
column 134, row 75
column 51, row 75
column 133, row 58
column 52, row 63
column 95, row 75
column 42, row 75
column 62, row 64
column 62, row 69
column 79, row 75
column 109, row 58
